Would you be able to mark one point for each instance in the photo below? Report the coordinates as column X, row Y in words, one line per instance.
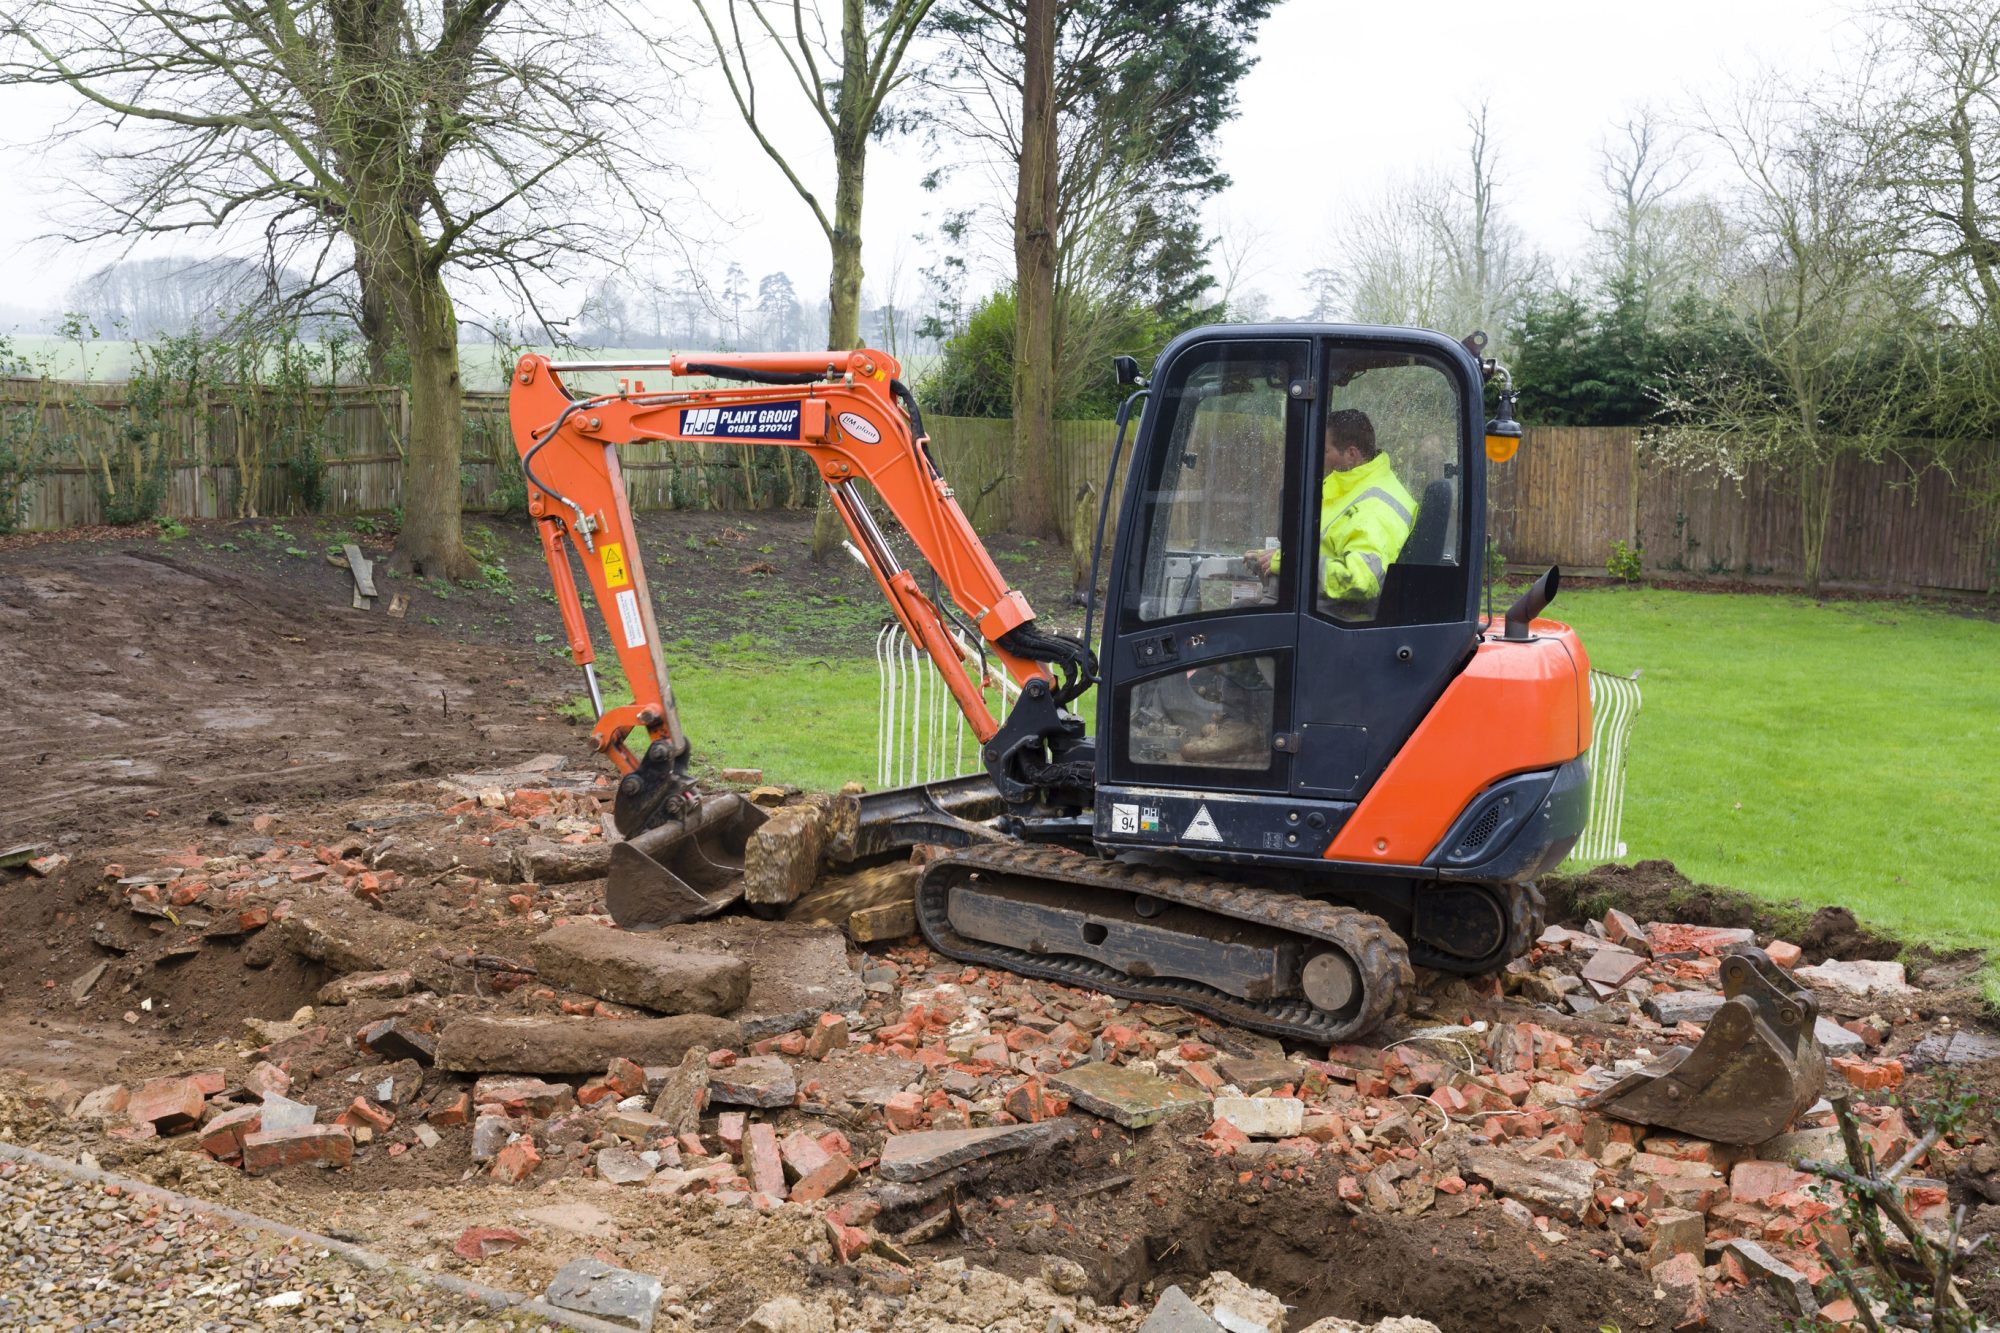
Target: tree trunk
column 1035, row 501
column 377, row 319
column 850, row 164
column 430, row 543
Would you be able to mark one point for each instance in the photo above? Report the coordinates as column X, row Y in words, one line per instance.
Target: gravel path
column 76, row 1256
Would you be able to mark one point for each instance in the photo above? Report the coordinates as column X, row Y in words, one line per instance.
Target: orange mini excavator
column 1315, row 762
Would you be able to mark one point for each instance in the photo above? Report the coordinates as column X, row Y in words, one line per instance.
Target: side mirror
column 1127, row 370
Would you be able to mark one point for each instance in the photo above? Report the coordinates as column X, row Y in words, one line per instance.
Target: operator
column 1364, row 518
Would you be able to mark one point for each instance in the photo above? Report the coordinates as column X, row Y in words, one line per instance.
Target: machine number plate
column 1124, row 818
column 614, row 566
column 628, row 616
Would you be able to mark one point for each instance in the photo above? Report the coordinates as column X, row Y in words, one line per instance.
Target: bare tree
column 848, row 90
column 1654, row 243
column 415, row 136
column 1827, row 332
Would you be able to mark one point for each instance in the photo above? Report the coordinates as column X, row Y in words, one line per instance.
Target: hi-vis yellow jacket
column 1364, row 519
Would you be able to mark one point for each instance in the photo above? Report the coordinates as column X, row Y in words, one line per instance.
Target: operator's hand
column 1258, row 561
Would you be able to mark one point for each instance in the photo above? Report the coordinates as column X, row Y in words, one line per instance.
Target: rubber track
column 1526, row 911
column 1378, row 952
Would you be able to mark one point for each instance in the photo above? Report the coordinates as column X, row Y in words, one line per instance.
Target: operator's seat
column 1425, row 545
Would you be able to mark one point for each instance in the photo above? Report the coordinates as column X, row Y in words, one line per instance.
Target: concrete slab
column 1128, row 1097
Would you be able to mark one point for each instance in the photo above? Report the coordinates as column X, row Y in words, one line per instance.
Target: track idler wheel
column 1471, row 928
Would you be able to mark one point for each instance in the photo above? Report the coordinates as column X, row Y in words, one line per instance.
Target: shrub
column 1624, row 563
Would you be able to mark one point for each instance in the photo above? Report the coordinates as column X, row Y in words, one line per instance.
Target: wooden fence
column 1564, row 499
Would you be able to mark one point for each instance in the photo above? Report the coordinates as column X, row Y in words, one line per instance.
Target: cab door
column 1203, row 652
column 1381, row 637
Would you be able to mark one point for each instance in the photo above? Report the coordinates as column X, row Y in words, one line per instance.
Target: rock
column 80, row 988
column 1682, row 1006
column 489, row 1135
column 1126, row 1096
column 489, row 1044
column 1554, row 1185
column 1263, row 1117
column 781, row 1314
column 1961, row 1046
column 763, row 1081
column 1066, row 1277
column 1238, row 1307
column 622, row 1166
column 648, row 969
column 1258, row 1073
column 919, row 1156
column 368, row 986
column 1860, row 978
column 781, row 858
column 615, row 1295
column 1822, row 1145
column 105, row 1103
column 1834, row 1039
column 545, row 862
column 890, row 921
column 523, row 1096
column 1675, row 1231
column 1177, row 1313
column 683, row 1094
column 1787, row 1283
column 377, row 943
column 406, row 1037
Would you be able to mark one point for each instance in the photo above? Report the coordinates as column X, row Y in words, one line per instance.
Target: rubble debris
column 379, row 944
column 875, row 925
column 647, row 969
column 479, row 1043
column 683, row 1094
column 323, row 1146
column 170, row 1105
column 368, row 986
column 615, row 1295
column 1126, row 1096
column 1176, row 1312
column 782, row 856
column 1791, row 1286
column 1263, row 1117
column 921, row 1155
column 1558, row 1186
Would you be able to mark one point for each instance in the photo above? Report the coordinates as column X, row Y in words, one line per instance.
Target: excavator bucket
column 685, row 869
column 1754, row 1070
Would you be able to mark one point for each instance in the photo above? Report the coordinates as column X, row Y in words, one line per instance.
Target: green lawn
column 1836, row 753
column 1840, row 753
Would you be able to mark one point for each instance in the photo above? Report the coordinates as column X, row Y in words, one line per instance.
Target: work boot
column 1229, row 743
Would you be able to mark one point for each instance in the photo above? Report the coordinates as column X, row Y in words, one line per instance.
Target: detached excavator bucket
column 685, row 869
column 1754, row 1070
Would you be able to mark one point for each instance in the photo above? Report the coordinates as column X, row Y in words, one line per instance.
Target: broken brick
column 834, row 1174
column 222, row 1138
column 767, row 1169
column 476, row 1243
column 170, row 1105
column 324, row 1146
column 361, row 1112
column 516, row 1162
column 1866, row 1076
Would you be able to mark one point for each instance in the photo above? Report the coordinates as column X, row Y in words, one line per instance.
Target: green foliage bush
column 1624, row 563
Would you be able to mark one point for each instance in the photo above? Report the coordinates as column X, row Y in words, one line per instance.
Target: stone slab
column 616, row 1295
column 764, row 1081
column 912, row 1157
column 1177, row 1313
column 1549, row 1184
column 1682, row 1006
column 797, row 971
column 1126, row 1096
column 1835, row 1039
column 476, row 1043
column 1860, row 978
column 642, row 968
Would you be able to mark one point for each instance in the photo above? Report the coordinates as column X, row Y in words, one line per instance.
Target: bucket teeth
column 1756, row 1067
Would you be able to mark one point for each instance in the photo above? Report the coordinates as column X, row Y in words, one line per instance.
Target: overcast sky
column 1344, row 97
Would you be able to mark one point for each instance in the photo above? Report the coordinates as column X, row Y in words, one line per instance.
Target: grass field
column 1835, row 753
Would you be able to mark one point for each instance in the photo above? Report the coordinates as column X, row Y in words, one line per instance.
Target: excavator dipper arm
column 849, row 413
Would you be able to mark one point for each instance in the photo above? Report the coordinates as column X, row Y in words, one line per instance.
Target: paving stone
column 1177, row 1313
column 763, row 1081
column 1682, row 1006
column 919, row 1156
column 615, row 1295
column 1787, row 1283
column 1263, row 1117
column 1258, row 1073
column 1610, row 968
column 1126, row 1096
column 1860, row 978
column 1554, row 1185
column 649, row 969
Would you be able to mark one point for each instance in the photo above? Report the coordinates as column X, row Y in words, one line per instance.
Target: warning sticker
column 1202, row 828
column 1124, row 818
column 614, row 565
column 635, row 628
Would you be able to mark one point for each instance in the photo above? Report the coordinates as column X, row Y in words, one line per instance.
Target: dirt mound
column 1658, row 891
